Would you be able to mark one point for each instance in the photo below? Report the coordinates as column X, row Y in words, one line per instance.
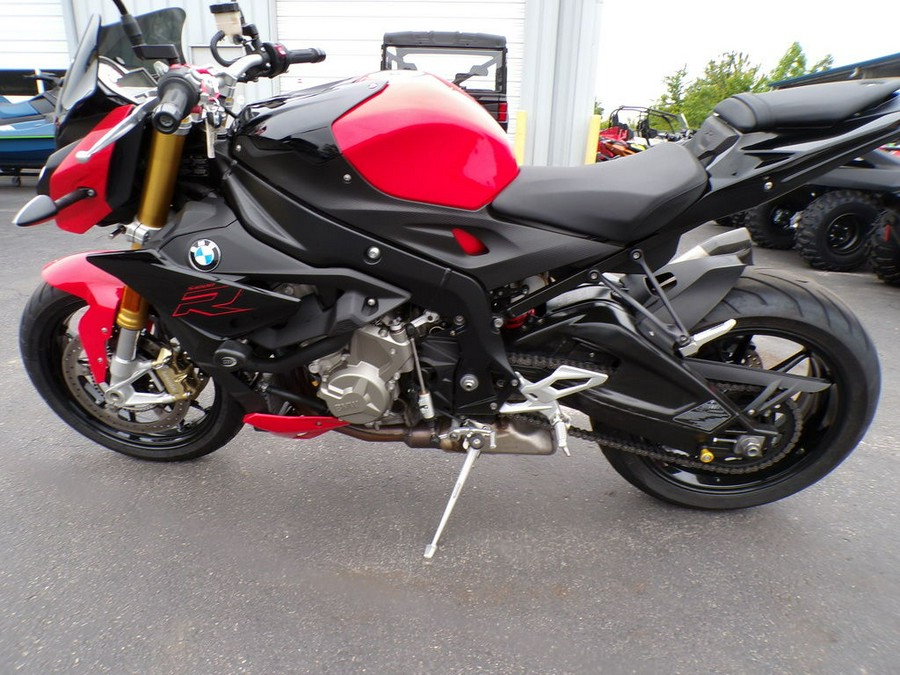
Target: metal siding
column 351, row 31
column 26, row 25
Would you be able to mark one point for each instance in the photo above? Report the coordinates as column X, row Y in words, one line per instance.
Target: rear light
column 502, row 113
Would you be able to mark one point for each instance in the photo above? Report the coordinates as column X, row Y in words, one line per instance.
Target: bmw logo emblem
column 205, row 255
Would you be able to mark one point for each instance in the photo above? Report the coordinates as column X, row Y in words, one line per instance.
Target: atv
column 830, row 222
column 634, row 128
column 475, row 62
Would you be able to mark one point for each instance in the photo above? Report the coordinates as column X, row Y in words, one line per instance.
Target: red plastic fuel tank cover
column 423, row 139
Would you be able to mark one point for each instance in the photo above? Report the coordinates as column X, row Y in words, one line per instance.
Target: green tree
column 794, row 64
column 673, row 99
column 733, row 73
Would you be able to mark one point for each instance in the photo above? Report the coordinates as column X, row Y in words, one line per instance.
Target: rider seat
column 621, row 200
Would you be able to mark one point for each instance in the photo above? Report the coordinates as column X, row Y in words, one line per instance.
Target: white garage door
column 32, row 35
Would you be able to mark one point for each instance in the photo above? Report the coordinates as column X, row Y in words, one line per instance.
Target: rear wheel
column 786, row 326
column 56, row 362
column 884, row 252
column 833, row 231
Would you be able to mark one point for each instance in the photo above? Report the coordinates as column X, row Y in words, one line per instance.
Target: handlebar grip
column 311, row 55
column 177, row 97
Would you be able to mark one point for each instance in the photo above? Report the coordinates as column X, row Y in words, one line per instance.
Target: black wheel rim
column 844, row 235
column 819, row 411
column 781, row 219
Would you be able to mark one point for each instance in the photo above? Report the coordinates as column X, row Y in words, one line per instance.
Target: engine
column 361, row 382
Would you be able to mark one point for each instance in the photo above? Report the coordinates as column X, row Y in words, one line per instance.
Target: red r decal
column 210, row 300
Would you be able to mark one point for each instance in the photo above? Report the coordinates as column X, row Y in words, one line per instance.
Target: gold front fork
column 156, row 197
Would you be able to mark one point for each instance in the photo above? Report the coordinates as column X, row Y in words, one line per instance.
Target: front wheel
column 58, row 368
column 788, row 326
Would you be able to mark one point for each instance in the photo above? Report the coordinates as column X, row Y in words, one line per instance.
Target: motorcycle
column 365, row 257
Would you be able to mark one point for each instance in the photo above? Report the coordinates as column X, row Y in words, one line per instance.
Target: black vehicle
column 884, row 246
column 830, row 221
column 476, row 62
column 366, row 257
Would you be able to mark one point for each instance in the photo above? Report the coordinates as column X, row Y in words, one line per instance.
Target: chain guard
column 651, row 450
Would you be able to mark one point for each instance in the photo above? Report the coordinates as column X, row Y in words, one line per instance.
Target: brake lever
column 117, row 132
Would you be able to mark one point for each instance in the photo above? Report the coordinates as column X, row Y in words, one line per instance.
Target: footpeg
column 543, row 397
column 561, row 424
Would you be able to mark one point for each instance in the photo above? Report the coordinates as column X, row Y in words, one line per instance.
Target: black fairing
column 287, row 141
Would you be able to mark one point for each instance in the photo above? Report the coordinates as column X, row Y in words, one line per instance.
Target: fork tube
column 156, row 197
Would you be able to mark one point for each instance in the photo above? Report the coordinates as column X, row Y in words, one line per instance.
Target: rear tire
column 50, row 346
column 771, row 312
column 884, row 253
column 833, row 231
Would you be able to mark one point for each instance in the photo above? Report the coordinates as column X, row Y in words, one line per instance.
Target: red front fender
column 102, row 292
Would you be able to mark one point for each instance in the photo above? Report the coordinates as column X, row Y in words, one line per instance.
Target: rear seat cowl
column 815, row 105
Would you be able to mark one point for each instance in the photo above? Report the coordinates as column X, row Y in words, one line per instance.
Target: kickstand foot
column 471, row 455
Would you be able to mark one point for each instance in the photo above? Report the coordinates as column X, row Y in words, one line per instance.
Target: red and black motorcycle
column 366, row 257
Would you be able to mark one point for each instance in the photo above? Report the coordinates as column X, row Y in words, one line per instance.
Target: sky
column 643, row 41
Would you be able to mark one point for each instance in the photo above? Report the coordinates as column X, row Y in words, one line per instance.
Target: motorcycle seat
column 620, row 200
column 13, row 110
column 815, row 105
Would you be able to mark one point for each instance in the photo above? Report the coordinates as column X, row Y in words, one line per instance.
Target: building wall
column 350, row 31
column 561, row 54
column 33, row 34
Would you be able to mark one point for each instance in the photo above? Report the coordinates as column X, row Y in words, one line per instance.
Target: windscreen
column 124, row 71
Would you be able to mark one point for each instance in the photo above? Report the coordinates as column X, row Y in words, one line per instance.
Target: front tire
column 779, row 320
column 52, row 355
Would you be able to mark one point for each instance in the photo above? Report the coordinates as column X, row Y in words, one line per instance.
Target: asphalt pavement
column 277, row 556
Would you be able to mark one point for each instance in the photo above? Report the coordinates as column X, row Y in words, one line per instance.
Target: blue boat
column 27, row 133
column 25, row 145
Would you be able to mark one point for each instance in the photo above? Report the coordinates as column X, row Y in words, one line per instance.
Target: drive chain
column 645, row 448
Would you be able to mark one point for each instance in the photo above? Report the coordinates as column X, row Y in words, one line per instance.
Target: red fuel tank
column 424, row 139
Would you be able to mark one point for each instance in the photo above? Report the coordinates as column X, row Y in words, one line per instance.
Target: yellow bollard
column 593, row 137
column 519, row 144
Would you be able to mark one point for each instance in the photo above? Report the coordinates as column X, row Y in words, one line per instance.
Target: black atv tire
column 884, row 253
column 771, row 224
column 827, row 341
column 833, row 231
column 52, row 355
column 734, row 220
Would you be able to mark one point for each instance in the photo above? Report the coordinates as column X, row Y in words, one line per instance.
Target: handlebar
column 179, row 89
column 178, row 95
column 311, row 55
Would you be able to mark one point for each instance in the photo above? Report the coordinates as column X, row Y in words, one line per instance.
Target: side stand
column 471, row 455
